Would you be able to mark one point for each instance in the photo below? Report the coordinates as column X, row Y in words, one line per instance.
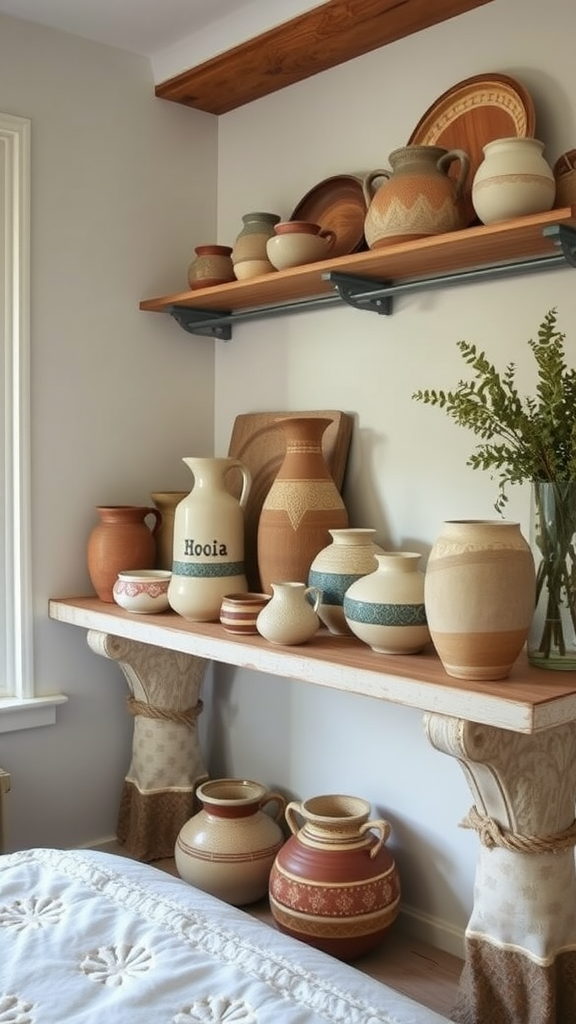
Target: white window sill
column 29, row 712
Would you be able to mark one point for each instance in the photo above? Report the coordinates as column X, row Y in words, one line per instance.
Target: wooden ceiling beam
column 334, row 32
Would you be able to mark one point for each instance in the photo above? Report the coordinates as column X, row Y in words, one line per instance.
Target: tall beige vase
column 166, row 502
column 479, row 593
column 208, row 555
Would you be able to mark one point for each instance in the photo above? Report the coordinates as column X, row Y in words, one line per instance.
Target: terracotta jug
column 333, row 883
column 229, row 846
column 208, row 555
column 119, row 542
column 419, row 198
column 302, row 505
column 479, row 593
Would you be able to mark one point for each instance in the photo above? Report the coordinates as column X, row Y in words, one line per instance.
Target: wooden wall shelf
column 330, row 34
column 530, row 700
column 540, row 241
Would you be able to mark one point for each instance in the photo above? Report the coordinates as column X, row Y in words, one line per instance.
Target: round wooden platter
column 472, row 113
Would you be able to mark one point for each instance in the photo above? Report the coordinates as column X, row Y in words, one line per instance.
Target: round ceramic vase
column 479, row 594
column 229, row 846
column 290, row 617
column 302, row 505
column 249, row 256
column 333, row 883
column 208, row 555
column 513, row 180
column 121, row 540
column 350, row 556
column 386, row 608
column 212, row 266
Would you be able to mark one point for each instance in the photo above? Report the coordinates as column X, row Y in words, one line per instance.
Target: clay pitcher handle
column 330, row 237
column 277, row 798
column 448, row 158
column 292, row 809
column 368, row 184
column 246, row 480
column 157, row 519
column 316, row 596
column 381, row 826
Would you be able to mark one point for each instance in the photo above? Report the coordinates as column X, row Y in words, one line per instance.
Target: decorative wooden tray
column 472, row 113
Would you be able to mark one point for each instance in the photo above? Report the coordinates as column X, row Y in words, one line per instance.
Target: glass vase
column 552, row 638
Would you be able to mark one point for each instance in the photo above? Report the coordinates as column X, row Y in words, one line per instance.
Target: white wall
column 407, row 469
column 123, row 187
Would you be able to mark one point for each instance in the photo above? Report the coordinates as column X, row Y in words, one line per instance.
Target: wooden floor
column 419, row 971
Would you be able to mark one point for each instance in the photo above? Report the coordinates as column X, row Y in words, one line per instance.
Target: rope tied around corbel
column 187, row 716
column 492, row 834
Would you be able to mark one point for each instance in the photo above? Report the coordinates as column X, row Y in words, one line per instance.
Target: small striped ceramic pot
column 239, row 612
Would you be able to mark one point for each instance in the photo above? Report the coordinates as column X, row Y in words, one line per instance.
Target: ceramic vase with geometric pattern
column 350, row 556
column 333, row 883
column 385, row 609
column 301, row 507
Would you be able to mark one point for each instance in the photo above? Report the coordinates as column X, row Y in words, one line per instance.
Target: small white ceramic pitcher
column 289, row 617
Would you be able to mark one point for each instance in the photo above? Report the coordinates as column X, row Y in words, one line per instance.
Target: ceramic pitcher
column 420, row 198
column 120, row 541
column 208, row 555
column 290, row 618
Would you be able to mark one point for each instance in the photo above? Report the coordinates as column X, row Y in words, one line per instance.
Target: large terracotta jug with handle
column 419, row 198
column 208, row 555
column 121, row 540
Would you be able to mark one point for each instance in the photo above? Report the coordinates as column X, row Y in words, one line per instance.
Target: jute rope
column 492, row 834
column 186, row 717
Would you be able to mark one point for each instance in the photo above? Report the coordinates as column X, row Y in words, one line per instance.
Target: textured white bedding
column 92, row 938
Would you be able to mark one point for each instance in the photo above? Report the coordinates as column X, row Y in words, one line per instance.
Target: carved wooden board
column 259, row 443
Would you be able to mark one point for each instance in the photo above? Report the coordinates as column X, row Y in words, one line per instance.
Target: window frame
column 19, row 706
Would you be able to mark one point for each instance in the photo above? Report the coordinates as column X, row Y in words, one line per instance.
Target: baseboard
column 432, row 930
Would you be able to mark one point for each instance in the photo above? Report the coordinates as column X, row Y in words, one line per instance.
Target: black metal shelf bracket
column 193, row 321
column 377, row 296
column 565, row 238
column 362, row 292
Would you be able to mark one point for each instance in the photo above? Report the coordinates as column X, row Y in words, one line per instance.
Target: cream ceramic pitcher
column 208, row 554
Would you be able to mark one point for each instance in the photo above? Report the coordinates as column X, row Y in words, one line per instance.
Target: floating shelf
column 369, row 280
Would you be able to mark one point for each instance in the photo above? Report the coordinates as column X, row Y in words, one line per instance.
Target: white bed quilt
column 93, row 938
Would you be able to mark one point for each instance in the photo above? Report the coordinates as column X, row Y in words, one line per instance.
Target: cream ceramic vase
column 479, row 595
column 334, row 884
column 419, row 198
column 166, row 502
column 289, row 617
column 208, row 555
column 249, row 256
column 513, row 180
column 229, row 846
column 350, row 556
column 386, row 608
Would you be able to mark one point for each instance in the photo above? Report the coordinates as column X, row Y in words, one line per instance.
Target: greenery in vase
column 528, row 439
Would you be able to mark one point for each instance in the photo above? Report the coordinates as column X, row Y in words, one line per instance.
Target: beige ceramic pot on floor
column 229, row 846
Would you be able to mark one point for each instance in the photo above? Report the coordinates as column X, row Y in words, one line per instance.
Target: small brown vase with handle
column 121, row 540
column 419, row 198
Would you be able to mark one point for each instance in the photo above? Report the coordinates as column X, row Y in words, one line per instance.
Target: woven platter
column 472, row 113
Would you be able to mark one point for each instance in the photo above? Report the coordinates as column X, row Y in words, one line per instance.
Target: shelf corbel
column 565, row 238
column 201, row 321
